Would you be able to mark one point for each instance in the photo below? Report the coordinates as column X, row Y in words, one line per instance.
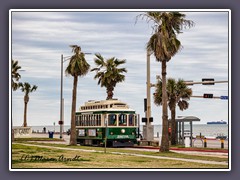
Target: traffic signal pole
column 148, row 132
column 148, row 112
column 214, row 97
column 207, row 82
column 204, row 82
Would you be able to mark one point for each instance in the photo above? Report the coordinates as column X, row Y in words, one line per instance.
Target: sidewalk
column 193, row 151
column 187, row 149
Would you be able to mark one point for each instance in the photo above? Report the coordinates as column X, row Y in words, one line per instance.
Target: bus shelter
column 182, row 132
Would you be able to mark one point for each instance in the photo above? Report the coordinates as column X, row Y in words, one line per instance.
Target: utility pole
column 148, row 128
column 148, row 112
column 61, row 121
column 61, row 99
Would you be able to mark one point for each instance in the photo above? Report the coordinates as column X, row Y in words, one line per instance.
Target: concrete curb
column 186, row 149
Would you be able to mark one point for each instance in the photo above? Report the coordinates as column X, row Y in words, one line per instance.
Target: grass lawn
column 169, row 154
column 24, row 156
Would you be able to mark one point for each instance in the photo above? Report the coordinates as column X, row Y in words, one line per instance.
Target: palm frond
column 108, row 73
column 164, row 43
column 15, row 75
column 78, row 65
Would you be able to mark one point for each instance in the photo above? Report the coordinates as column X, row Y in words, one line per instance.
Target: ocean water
column 208, row 130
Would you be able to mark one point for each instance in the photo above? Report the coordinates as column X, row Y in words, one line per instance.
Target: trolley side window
column 99, row 120
column 112, row 119
column 81, row 132
column 81, row 120
column 76, row 120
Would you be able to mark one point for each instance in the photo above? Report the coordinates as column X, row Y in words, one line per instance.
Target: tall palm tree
column 27, row 89
column 77, row 66
column 15, row 75
column 15, row 85
column 108, row 73
column 164, row 45
column 178, row 94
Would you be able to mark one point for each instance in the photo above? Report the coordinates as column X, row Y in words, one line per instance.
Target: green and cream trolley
column 107, row 119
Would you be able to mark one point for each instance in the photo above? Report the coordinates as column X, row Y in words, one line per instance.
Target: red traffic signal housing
column 207, row 95
column 60, row 122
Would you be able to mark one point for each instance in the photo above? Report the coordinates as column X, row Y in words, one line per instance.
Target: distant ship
column 217, row 122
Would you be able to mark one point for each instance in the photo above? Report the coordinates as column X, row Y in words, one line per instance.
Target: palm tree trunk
column 165, row 140
column 73, row 140
column 12, row 131
column 173, row 126
column 12, row 135
column 25, row 115
column 110, row 93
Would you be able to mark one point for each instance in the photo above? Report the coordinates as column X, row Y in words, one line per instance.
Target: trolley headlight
column 123, row 131
column 111, row 133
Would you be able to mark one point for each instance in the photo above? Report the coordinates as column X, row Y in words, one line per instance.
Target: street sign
column 224, row 97
column 208, row 81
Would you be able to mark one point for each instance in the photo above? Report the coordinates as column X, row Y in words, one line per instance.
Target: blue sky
column 39, row 39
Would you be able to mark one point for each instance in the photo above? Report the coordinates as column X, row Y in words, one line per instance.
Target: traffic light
column 208, row 79
column 145, row 119
column 145, row 104
column 207, row 95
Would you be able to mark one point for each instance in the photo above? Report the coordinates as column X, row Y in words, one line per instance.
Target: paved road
column 65, row 137
column 211, row 143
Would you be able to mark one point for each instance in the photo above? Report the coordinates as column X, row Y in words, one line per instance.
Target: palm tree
column 178, row 94
column 164, row 45
column 26, row 88
column 15, row 75
column 108, row 73
column 77, row 66
column 15, row 85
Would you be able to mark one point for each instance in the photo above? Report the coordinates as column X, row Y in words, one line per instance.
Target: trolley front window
column 112, row 119
column 131, row 119
column 122, row 120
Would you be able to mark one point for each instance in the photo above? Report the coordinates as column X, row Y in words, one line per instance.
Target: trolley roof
column 104, row 105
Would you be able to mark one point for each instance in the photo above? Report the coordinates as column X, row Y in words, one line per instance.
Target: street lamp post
column 61, row 99
column 61, row 122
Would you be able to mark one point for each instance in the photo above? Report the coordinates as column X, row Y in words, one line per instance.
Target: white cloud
column 39, row 39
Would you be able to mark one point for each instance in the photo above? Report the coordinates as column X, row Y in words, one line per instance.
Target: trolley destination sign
column 122, row 136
